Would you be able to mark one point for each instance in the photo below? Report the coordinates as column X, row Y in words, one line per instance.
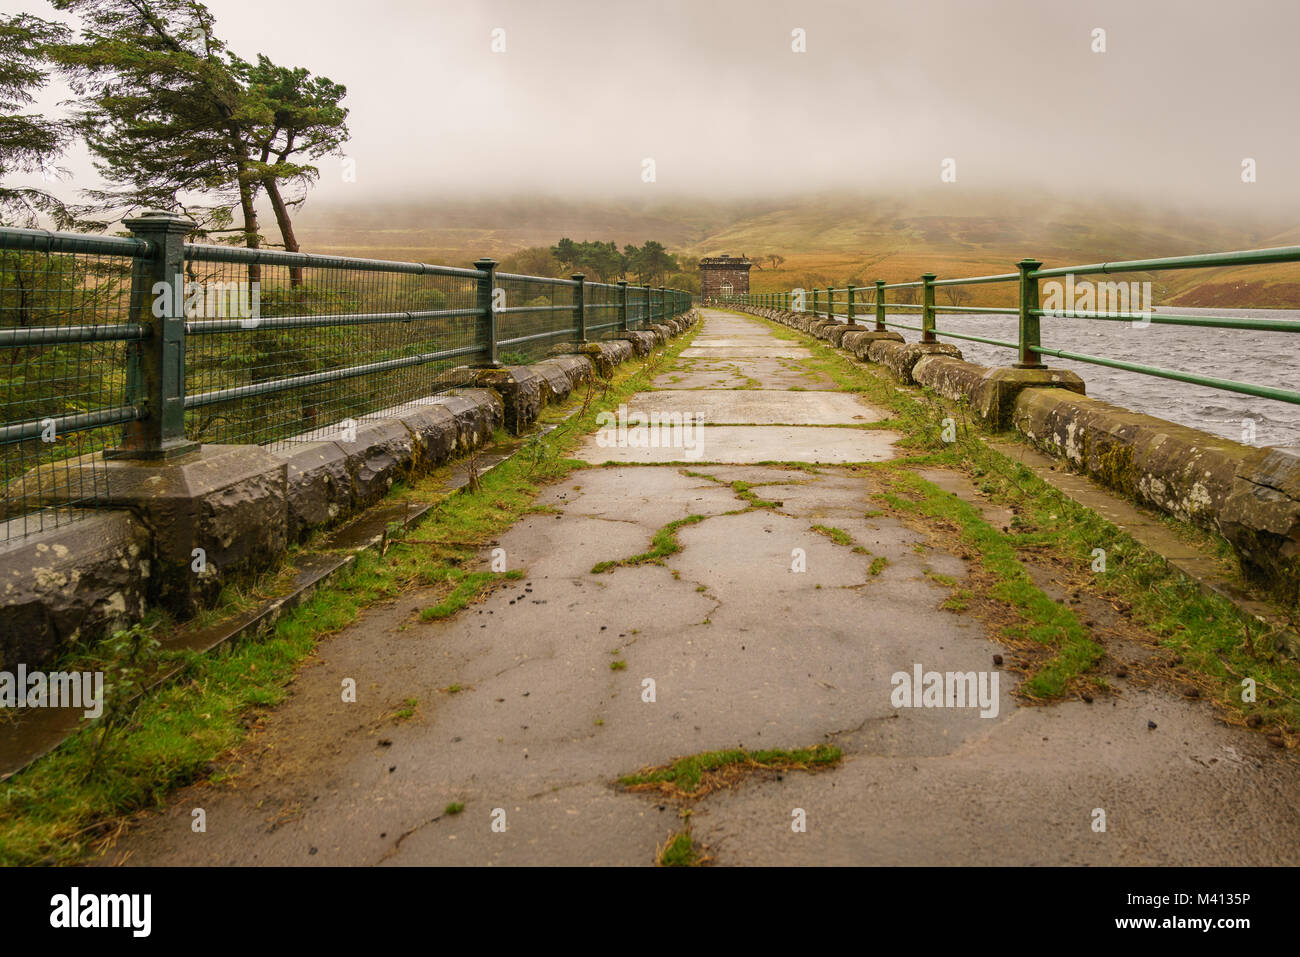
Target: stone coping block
column 318, row 486
column 1261, row 518
column 1250, row 496
column 556, row 384
column 1180, row 470
column 435, row 431
column 991, row 393
column 901, row 357
column 382, row 451
column 643, row 343
column 522, row 390
column 76, row 582
column 579, row 369
column 330, row 480
column 607, row 355
column 226, row 499
column 835, row 334
column 859, row 341
column 478, row 413
column 994, row 397
column 952, row 378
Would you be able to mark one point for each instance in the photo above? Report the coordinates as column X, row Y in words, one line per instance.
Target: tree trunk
column 251, row 239
column 286, row 226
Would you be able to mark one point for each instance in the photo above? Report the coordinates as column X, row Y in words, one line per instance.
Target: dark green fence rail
column 883, row 302
column 146, row 346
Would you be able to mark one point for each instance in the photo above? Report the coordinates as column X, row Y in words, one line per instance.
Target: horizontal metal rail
column 206, row 327
column 977, row 280
column 543, row 280
column 279, row 257
column 537, row 336
column 331, row 375
column 1172, row 319
column 1244, row 257
column 45, row 241
column 505, row 310
column 1228, row 385
column 65, row 424
column 63, row 335
column 961, row 335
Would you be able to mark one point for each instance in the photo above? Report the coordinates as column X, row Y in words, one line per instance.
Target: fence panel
column 253, row 346
column 65, row 321
column 330, row 341
column 536, row 319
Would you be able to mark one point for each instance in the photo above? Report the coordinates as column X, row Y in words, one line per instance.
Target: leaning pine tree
column 161, row 111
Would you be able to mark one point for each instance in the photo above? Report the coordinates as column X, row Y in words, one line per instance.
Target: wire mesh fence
column 100, row 336
column 602, row 311
column 638, row 298
column 535, row 317
column 287, row 348
column 64, row 327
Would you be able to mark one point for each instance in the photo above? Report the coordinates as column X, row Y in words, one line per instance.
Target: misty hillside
column 833, row 240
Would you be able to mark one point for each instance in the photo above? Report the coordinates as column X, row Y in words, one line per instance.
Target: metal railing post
column 814, row 304
column 830, row 303
column 1030, row 329
column 622, row 305
column 927, row 310
column 483, row 302
column 155, row 380
column 849, row 305
column 649, row 308
column 580, row 305
column 663, row 304
column 880, row 305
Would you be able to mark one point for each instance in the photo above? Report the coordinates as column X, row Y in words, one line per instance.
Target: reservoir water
column 1259, row 358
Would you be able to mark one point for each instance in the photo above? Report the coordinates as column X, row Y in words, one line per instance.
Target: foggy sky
column 712, row 91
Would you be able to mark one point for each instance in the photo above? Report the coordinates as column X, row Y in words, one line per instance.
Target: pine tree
column 28, row 143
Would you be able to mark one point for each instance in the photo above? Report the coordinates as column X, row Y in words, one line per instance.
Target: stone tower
column 724, row 276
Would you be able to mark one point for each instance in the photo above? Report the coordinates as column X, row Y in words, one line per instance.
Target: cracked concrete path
column 521, row 715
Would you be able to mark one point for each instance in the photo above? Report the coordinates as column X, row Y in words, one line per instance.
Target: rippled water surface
column 1260, row 358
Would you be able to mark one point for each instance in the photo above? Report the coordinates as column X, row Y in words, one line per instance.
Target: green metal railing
column 1028, row 346
column 145, row 347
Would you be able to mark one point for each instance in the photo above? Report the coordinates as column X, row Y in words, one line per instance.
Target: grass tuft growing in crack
column 697, row 775
column 679, row 851
column 836, row 535
column 663, row 544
